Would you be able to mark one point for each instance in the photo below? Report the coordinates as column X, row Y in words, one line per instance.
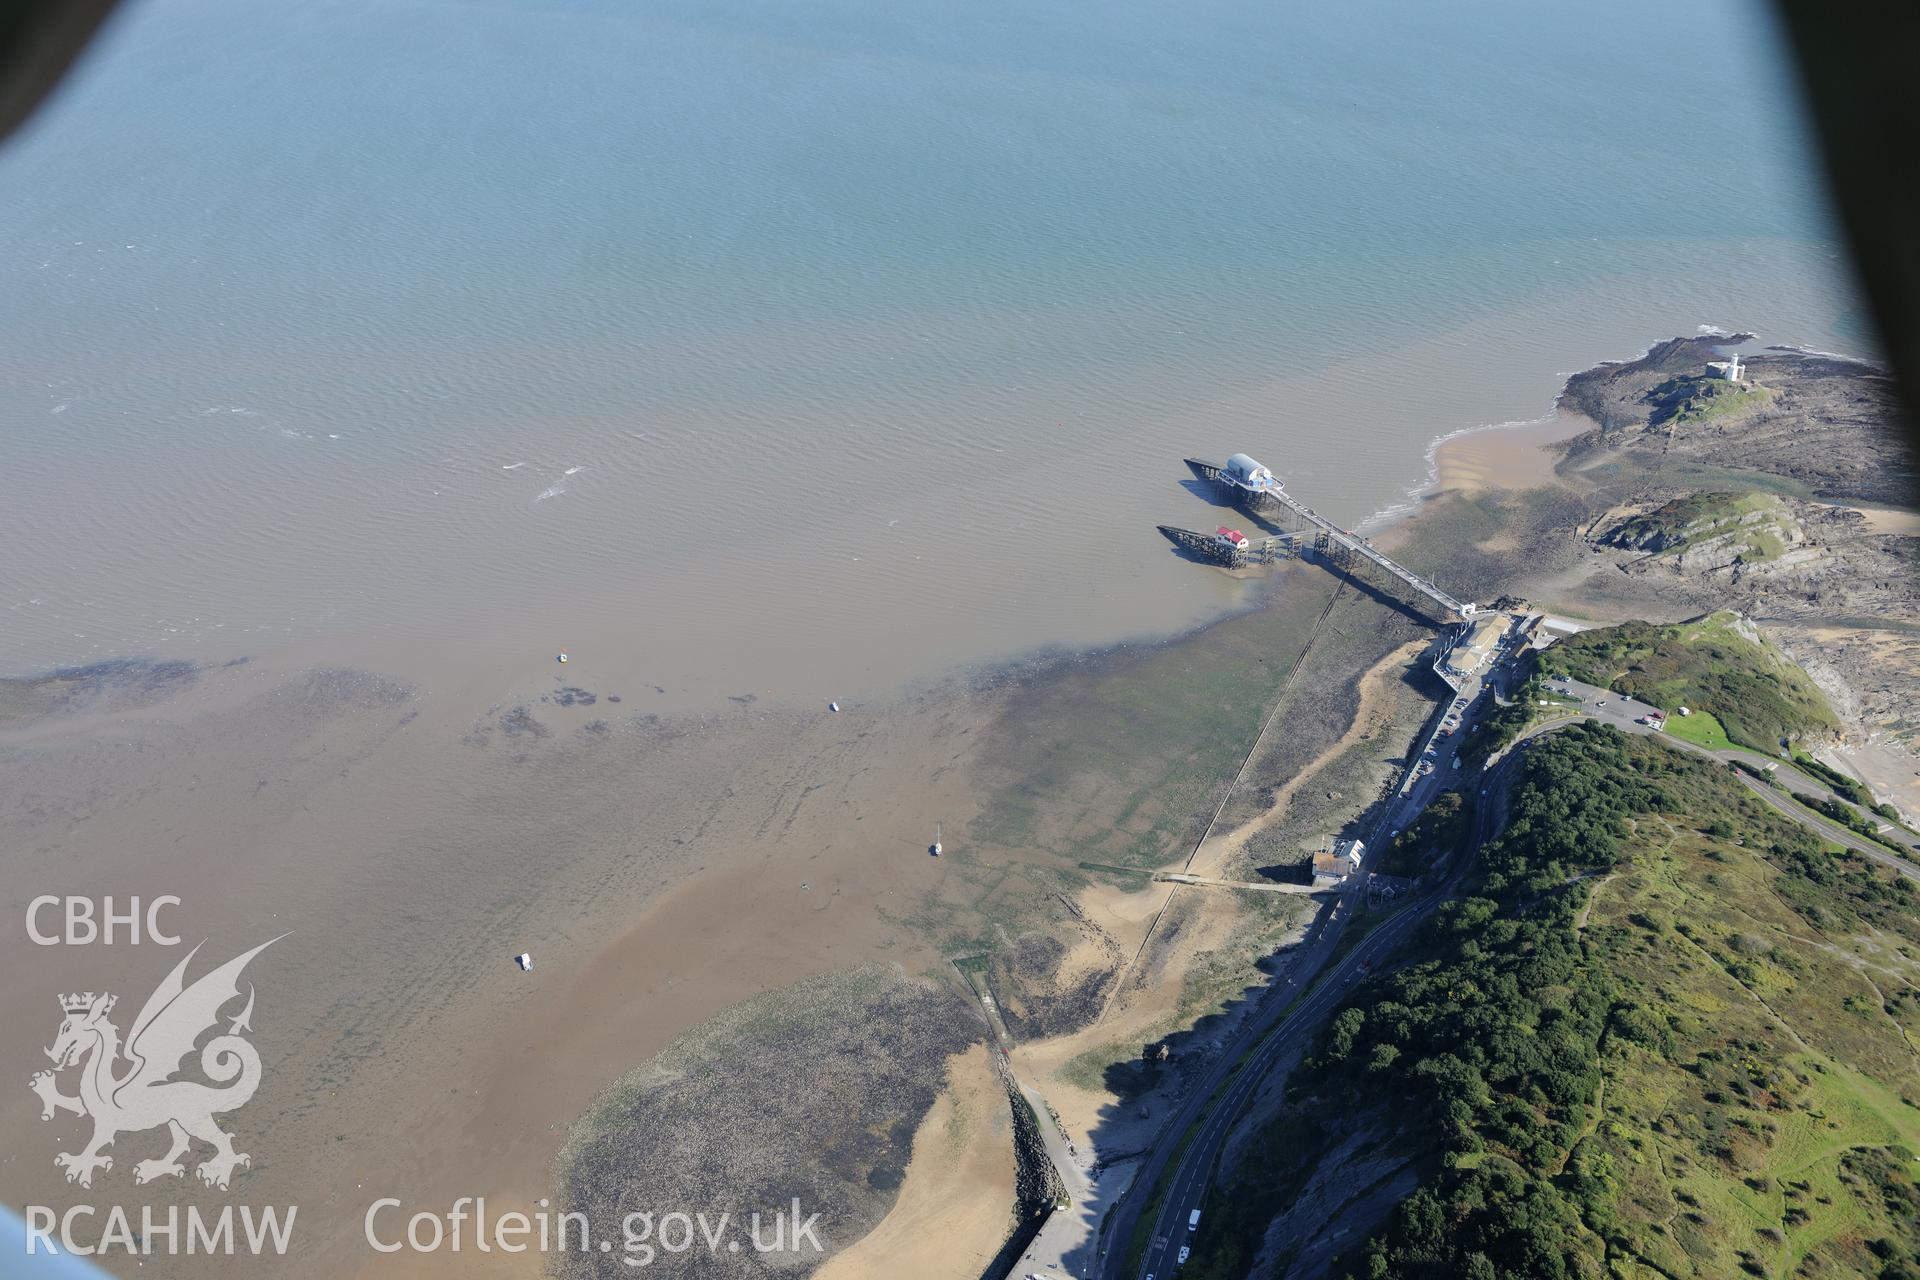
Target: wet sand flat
column 658, row 874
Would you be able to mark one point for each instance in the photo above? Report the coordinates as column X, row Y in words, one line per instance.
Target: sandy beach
column 1515, row 458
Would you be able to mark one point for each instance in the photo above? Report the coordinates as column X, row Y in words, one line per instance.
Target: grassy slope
column 1710, row 664
column 1757, row 520
column 1695, row 399
column 1702, row 729
column 1743, row 1135
column 1743, row 1098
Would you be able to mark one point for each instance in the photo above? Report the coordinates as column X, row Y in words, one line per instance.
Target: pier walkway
column 1330, row 539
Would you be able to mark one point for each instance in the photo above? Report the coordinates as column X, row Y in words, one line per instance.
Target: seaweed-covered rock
column 812, row 1093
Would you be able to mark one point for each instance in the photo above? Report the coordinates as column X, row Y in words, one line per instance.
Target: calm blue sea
column 345, row 327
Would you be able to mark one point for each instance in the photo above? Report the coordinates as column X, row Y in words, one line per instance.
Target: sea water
column 800, row 347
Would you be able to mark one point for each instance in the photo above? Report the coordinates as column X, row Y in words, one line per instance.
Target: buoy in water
column 525, row 961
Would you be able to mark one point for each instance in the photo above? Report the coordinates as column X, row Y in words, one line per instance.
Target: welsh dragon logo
column 147, row 1094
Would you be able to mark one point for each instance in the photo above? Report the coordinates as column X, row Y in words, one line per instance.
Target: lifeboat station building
column 1244, row 473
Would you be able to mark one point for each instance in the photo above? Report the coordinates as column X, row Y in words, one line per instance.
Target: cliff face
column 1827, row 426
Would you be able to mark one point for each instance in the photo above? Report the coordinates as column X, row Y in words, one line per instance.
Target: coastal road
column 1117, row 1231
column 1444, row 734
column 1829, row 830
column 1192, row 1141
column 1624, row 713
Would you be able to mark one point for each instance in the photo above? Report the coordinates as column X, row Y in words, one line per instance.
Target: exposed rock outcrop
column 1825, row 424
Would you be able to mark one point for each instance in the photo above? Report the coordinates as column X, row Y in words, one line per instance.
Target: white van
column 1193, row 1220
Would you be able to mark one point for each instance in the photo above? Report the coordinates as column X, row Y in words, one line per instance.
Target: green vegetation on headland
column 1691, row 399
column 1736, row 527
column 1843, row 785
column 1717, row 663
column 1669, row 1033
column 1431, row 840
column 1702, row 729
column 1501, row 725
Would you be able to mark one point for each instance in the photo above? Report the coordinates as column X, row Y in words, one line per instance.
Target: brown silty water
column 404, row 780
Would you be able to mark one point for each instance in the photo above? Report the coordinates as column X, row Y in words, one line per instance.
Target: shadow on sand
column 1151, row 1088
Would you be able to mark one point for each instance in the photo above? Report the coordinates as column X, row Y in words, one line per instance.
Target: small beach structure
column 1329, row 872
column 1242, row 472
column 563, row 655
column 1334, row 867
column 525, row 961
column 934, row 848
column 833, row 706
column 1473, row 647
column 1228, row 546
